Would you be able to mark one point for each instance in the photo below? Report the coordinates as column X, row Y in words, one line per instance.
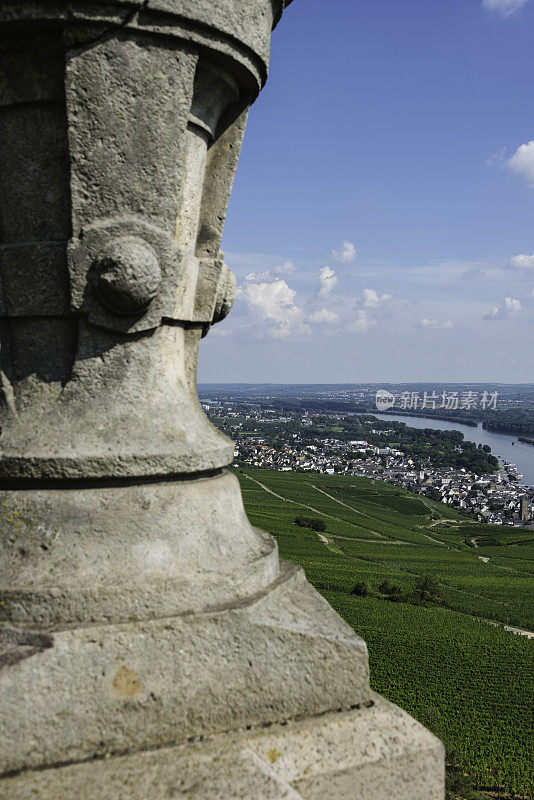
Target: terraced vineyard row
column 466, row 681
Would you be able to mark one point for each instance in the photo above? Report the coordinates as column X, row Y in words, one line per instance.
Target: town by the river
column 505, row 446
column 443, row 460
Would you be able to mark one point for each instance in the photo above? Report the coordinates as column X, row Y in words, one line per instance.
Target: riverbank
column 506, row 447
column 467, row 421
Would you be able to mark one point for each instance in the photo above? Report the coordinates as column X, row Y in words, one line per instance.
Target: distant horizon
column 362, row 383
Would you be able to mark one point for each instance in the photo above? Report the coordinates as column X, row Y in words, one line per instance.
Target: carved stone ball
column 225, row 296
column 128, row 275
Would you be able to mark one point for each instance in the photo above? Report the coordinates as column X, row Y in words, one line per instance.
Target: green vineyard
column 448, row 661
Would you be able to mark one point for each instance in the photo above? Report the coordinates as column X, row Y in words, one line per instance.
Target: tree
column 427, row 588
column 388, row 588
column 360, row 589
column 314, row 523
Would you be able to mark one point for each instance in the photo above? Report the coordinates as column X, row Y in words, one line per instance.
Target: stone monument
column 151, row 642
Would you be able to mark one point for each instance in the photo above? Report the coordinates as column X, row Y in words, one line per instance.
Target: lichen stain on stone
column 273, row 754
column 126, row 683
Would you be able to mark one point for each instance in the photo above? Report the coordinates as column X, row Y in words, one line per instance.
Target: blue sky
column 381, row 226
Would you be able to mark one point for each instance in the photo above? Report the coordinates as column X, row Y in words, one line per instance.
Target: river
column 519, row 453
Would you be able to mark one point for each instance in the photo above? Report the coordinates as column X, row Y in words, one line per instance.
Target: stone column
column 138, row 607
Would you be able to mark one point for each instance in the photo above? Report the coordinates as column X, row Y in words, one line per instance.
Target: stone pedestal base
column 376, row 752
column 79, row 692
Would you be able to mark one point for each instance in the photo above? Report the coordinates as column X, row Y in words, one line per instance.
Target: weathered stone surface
column 376, row 752
column 111, row 148
column 108, row 688
column 238, row 30
column 42, row 268
column 128, row 100
column 137, row 551
column 208, row 773
column 125, row 411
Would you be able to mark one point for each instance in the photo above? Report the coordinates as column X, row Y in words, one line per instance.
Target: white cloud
column 504, row 7
column 323, row 315
column 287, row 268
column 504, row 310
column 522, row 162
column 434, row 324
column 345, row 253
column 274, row 304
column 512, row 305
column 522, row 261
column 245, row 262
column 259, row 276
column 327, row 279
column 371, row 299
column 361, row 324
